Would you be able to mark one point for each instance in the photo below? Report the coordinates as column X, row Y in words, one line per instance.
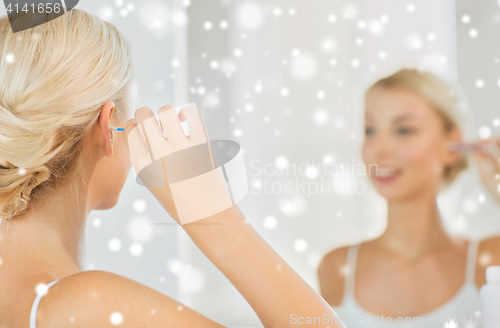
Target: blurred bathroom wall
column 285, row 80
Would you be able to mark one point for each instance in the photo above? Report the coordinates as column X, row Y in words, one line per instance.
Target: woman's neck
column 413, row 227
column 51, row 231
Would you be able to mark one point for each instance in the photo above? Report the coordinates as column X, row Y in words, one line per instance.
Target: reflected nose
column 382, row 146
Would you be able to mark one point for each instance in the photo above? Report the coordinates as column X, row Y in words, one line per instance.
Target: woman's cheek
column 422, row 158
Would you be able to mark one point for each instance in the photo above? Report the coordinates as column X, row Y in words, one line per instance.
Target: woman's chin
column 107, row 204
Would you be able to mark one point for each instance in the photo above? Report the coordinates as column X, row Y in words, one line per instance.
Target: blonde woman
column 415, row 269
column 62, row 85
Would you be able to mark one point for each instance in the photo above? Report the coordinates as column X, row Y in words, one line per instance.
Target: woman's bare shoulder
column 100, row 298
column 331, row 275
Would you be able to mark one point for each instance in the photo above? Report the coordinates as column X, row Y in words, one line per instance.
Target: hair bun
column 17, row 186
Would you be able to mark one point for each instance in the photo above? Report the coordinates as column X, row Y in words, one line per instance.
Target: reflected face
column 405, row 148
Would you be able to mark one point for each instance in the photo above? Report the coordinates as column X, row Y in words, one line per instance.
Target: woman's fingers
column 153, row 135
column 170, row 123
column 196, row 126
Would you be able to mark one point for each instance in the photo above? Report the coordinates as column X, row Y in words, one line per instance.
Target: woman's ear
column 104, row 136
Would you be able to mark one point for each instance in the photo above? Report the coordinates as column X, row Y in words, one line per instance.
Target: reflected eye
column 405, row 131
column 369, row 131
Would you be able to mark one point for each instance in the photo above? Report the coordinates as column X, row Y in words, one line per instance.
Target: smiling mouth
column 385, row 174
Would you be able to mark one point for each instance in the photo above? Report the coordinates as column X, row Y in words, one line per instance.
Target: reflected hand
column 489, row 166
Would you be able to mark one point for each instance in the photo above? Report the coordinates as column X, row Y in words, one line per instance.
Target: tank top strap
column 352, row 254
column 471, row 261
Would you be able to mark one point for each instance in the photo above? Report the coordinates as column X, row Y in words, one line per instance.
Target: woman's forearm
column 278, row 295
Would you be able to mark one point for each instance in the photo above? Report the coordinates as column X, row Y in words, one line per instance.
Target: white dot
column 292, row 11
column 382, row 55
column 179, row 18
column 114, row 245
column 22, row 171
column 332, row 18
column 362, row 25
column 116, row 318
column 140, row 205
column 41, row 289
column 312, row 172
column 105, row 13
column 207, row 26
column 351, row 12
column 329, row 45
column 248, row 107
column 135, row 249
column 237, row 133
column 466, row 19
column 96, row 222
column 130, row 6
column 473, row 33
column 124, row 12
column 175, row 62
column 119, row 3
column 284, row 92
column 431, row 37
column 295, row 52
column 300, row 245
column 321, row 116
column 484, row 132
column 9, row 58
column 250, row 16
column 321, row 94
column 384, row 19
column 237, row 52
column 270, row 222
column 201, row 91
column 481, row 198
column 333, row 62
column 223, row 25
column 376, row 27
column 186, row 3
column 410, row 7
column 191, row 280
column 281, row 162
column 303, row 67
column 359, row 41
column 140, row 229
column 258, row 88
column 214, row 64
column 355, row 62
column 0, row 261
column 414, row 41
column 498, row 82
column 496, row 122
column 328, row 159
column 479, row 84
column 277, row 11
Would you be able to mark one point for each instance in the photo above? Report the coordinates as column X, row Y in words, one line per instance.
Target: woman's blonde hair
column 440, row 96
column 54, row 79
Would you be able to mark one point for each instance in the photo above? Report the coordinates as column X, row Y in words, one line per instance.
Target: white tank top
column 459, row 312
